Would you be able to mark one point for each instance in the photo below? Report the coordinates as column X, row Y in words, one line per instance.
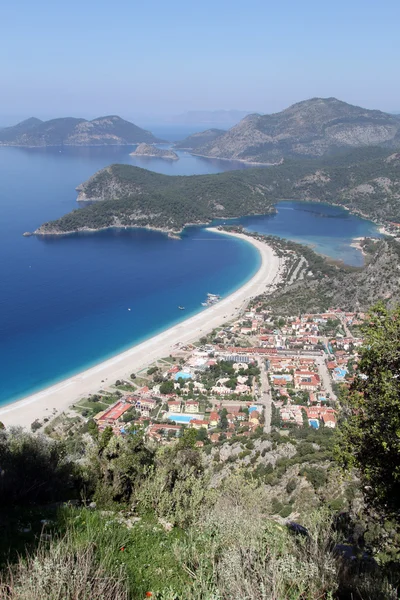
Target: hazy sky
column 93, row 57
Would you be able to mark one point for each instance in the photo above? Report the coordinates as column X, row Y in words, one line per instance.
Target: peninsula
column 366, row 181
column 154, row 152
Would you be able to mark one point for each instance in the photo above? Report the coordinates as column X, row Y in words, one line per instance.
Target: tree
column 371, row 432
column 167, row 387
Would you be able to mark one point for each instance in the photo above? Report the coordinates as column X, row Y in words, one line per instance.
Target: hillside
column 136, row 197
column 310, row 128
column 75, row 132
column 149, row 150
column 197, row 140
column 365, row 181
column 348, row 289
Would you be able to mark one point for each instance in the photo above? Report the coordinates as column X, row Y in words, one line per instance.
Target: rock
column 27, row 234
column 166, row 525
column 92, row 505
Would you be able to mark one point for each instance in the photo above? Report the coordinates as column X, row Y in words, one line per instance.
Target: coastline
column 61, row 396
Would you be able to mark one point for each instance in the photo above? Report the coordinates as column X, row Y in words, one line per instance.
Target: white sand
column 62, row 395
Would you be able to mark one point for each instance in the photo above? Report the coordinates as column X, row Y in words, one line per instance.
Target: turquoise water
column 64, row 301
column 329, row 230
column 178, row 418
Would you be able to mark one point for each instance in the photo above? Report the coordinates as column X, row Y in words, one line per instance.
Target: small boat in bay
column 181, row 307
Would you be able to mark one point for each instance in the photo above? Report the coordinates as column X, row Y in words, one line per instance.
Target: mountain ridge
column 72, row 131
column 311, row 128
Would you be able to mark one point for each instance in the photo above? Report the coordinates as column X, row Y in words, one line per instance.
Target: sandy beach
column 62, row 395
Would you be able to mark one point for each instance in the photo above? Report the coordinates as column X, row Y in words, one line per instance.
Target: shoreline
column 61, row 396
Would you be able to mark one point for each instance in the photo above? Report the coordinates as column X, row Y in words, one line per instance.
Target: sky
column 162, row 57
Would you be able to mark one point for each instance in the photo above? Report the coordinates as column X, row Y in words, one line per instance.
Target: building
column 198, row 424
column 214, row 419
column 112, row 414
column 192, row 406
column 174, row 406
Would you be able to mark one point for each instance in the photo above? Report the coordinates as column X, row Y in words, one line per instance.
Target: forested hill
column 366, row 181
column 131, row 196
column 75, row 132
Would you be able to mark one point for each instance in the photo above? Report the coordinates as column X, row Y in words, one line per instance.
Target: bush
column 315, row 475
column 35, row 425
column 286, row 511
column 291, row 485
column 65, row 570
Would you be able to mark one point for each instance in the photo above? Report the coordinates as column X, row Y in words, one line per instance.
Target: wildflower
column 149, row 594
column 122, row 548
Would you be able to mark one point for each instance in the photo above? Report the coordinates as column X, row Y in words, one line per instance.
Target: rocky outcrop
column 149, row 150
column 311, row 128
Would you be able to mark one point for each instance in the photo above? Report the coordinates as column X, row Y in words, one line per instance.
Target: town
column 259, row 372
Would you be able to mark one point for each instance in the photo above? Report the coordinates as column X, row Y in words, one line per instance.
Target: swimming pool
column 314, row 423
column 185, row 418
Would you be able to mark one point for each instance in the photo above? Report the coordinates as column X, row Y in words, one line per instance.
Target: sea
column 69, row 302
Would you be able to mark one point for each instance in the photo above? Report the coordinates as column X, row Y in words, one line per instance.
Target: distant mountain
column 209, row 117
column 197, row 140
column 111, row 130
column 310, row 128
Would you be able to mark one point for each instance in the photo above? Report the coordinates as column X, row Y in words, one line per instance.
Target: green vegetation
column 371, row 432
column 136, row 197
column 267, row 517
column 337, row 285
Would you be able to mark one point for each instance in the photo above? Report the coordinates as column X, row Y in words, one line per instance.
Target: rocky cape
column 312, row 128
column 68, row 131
column 153, row 151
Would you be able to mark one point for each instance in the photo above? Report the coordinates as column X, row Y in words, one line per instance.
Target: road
column 325, row 377
column 266, row 395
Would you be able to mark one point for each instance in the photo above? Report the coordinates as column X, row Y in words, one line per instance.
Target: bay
column 64, row 301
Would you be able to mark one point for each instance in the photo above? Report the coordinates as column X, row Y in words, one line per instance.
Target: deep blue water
column 64, row 301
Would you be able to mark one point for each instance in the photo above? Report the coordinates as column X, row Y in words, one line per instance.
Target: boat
column 211, row 300
column 181, row 307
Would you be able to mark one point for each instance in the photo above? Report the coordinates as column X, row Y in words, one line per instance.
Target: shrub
column 315, row 475
column 64, row 571
column 36, row 425
column 291, row 485
column 286, row 511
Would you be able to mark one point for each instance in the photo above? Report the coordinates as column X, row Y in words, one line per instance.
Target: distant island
column 312, row 128
column 149, row 150
column 366, row 181
column 68, row 131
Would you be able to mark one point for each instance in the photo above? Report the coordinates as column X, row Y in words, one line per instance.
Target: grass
column 146, row 551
